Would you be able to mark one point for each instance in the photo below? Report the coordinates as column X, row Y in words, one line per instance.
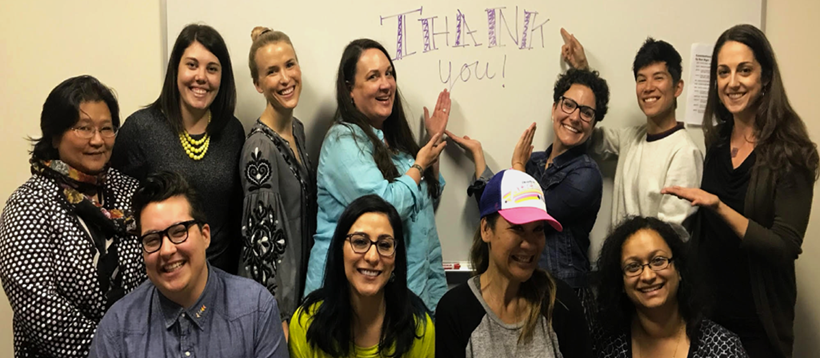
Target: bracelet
column 419, row 168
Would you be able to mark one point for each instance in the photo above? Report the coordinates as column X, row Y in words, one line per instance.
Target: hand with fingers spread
column 695, row 195
column 437, row 122
column 428, row 154
column 572, row 52
column 523, row 149
column 472, row 146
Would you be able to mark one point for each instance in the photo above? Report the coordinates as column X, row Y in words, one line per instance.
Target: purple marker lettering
column 539, row 27
column 513, row 34
column 491, row 28
column 446, row 32
column 461, row 26
column 401, row 30
column 524, row 33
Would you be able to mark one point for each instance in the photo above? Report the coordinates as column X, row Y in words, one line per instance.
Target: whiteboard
column 500, row 60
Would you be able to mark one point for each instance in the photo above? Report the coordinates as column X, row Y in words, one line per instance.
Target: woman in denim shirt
column 371, row 150
column 570, row 179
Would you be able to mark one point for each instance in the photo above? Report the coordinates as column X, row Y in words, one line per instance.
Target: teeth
column 526, row 259
column 651, row 289
column 198, row 90
column 573, row 130
column 735, row 95
column 287, row 91
column 370, row 273
column 650, row 100
column 173, row 266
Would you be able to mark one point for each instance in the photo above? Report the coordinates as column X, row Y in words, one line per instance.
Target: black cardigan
column 778, row 208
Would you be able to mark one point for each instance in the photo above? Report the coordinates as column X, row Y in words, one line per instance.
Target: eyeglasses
column 360, row 243
column 177, row 233
column 86, row 132
column 568, row 105
column 658, row 263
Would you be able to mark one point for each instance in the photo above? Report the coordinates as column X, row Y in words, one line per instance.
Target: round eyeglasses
column 360, row 243
column 658, row 263
column 177, row 233
column 86, row 132
column 568, row 105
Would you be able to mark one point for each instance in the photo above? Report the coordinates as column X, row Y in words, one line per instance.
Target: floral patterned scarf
column 105, row 225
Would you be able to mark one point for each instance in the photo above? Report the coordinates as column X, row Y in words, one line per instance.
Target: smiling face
column 651, row 289
column 739, row 78
column 656, row 90
column 570, row 129
column 179, row 271
column 369, row 272
column 374, row 89
column 198, row 77
column 514, row 249
column 88, row 155
column 280, row 77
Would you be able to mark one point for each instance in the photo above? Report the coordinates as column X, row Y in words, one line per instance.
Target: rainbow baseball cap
column 517, row 197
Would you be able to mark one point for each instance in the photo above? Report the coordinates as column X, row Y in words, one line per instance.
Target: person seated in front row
column 511, row 308
column 647, row 299
column 188, row 308
column 364, row 308
column 653, row 155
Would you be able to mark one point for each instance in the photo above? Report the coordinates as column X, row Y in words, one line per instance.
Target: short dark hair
column 161, row 186
column 615, row 309
column 223, row 105
column 61, row 111
column 330, row 329
column 654, row 51
column 587, row 78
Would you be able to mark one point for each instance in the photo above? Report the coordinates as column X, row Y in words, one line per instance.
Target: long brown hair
column 396, row 130
column 783, row 143
column 539, row 288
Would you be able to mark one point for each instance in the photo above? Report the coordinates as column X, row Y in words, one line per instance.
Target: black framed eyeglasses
column 658, row 263
column 87, row 132
column 177, row 233
column 568, row 105
column 360, row 243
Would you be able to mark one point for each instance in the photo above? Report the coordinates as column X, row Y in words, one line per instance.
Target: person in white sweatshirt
column 654, row 155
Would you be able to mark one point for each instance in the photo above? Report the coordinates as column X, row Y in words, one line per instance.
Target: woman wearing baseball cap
column 511, row 307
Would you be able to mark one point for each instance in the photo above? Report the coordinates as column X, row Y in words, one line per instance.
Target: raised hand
column 437, row 122
column 696, row 196
column 523, row 149
column 572, row 52
column 428, row 154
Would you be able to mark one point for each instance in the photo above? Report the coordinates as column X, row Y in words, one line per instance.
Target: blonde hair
column 262, row 36
column 535, row 291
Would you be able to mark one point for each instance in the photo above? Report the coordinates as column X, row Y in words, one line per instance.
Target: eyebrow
column 652, row 255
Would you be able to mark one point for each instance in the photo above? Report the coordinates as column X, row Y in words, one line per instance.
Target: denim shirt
column 234, row 317
column 346, row 172
column 572, row 187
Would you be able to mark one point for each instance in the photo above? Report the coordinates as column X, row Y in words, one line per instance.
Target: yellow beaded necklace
column 196, row 149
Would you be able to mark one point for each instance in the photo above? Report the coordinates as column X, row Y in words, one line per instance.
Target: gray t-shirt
column 493, row 338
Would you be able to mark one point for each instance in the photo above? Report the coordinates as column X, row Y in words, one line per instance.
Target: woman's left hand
column 694, row 195
column 437, row 123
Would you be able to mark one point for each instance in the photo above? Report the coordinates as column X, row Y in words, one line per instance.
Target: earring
column 392, row 277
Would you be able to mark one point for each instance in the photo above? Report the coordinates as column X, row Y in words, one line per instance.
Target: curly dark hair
column 783, row 143
column 587, row 78
column 615, row 309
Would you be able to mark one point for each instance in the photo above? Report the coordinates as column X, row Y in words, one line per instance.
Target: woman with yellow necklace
column 191, row 129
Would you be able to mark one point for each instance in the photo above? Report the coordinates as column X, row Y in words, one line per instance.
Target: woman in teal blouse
column 366, row 151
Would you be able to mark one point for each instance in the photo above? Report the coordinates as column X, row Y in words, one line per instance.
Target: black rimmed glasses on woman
column 360, row 243
column 177, row 233
column 658, row 263
column 568, row 105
